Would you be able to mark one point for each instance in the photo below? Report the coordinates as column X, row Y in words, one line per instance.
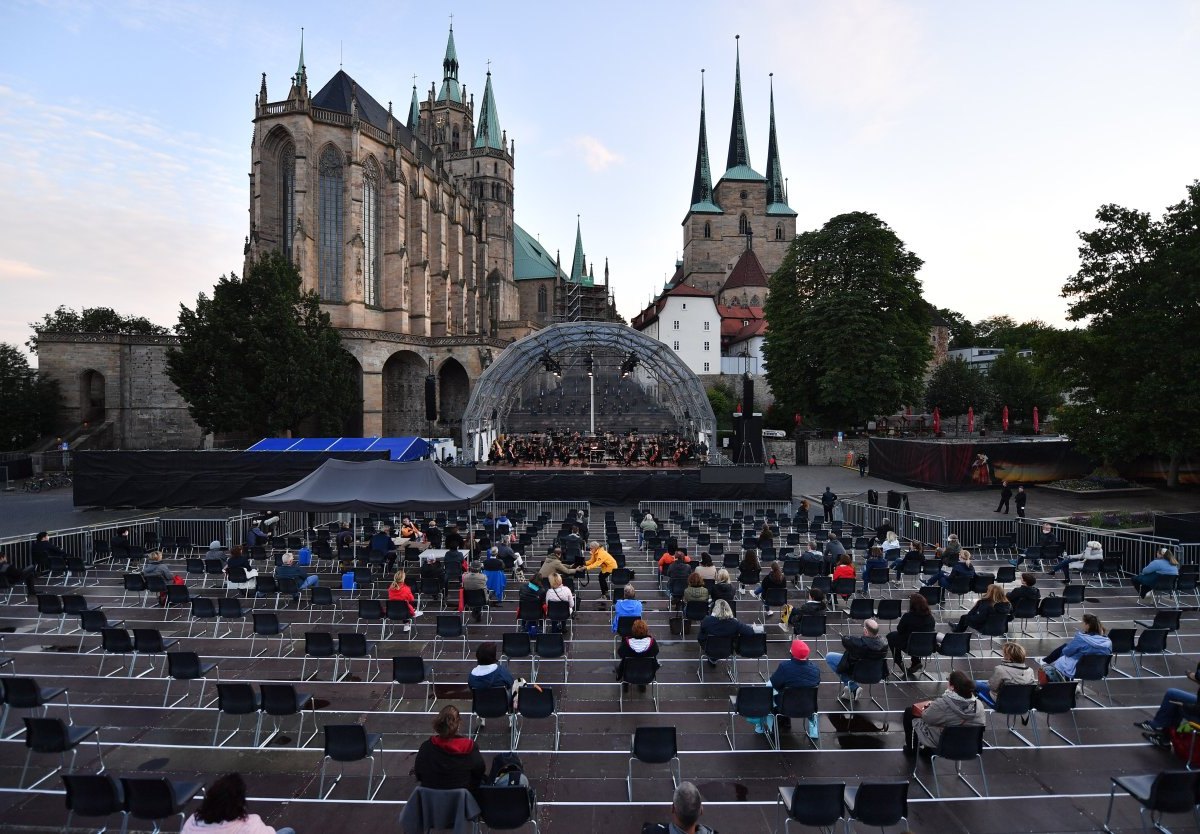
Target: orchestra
column 574, row 449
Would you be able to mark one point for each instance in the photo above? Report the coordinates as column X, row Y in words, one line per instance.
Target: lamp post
column 591, row 396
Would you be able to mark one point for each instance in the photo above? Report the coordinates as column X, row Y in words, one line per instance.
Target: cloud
column 596, row 155
column 11, row 270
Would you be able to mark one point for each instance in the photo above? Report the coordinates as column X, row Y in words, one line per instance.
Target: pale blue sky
column 986, row 135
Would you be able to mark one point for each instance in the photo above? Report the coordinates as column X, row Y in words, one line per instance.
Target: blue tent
column 399, row 448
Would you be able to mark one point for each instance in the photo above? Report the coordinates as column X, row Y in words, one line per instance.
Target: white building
column 685, row 319
column 982, row 358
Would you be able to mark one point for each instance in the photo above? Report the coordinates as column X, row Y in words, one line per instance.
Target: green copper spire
column 450, row 91
column 776, row 198
column 488, row 134
column 702, row 192
column 578, row 269
column 414, row 113
column 738, row 164
column 300, row 66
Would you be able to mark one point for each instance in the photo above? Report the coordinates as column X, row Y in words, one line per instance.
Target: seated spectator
column 447, row 761
column 559, row 592
column 1026, row 590
column 721, row 623
column 1011, row 670
column 867, row 646
column 505, row 552
column 678, row 574
column 814, row 560
column 215, row 551
column 844, row 570
column 918, row 617
column 454, row 539
column 399, row 591
column 875, row 559
column 434, row 569
column 957, row 707
column 474, row 580
column 773, row 579
column 344, row 540
column 1093, row 552
column 627, row 606
column 706, row 569
column 639, row 643
column 815, row 604
column 890, row 546
column 991, row 601
column 722, row 587
column 488, row 672
column 497, row 579
column 834, row 549
column 686, row 809
column 290, row 570
column 382, row 544
column 795, row 672
column 949, row 553
column 765, row 541
column 155, row 566
column 223, row 811
column 433, row 534
column 1047, row 545
column 1060, row 664
column 695, row 590
column 962, row 567
column 749, row 571
column 1170, row 714
column 409, row 531
column 915, row 553
column 1165, row 564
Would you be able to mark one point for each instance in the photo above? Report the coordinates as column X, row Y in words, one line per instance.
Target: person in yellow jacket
column 603, row 560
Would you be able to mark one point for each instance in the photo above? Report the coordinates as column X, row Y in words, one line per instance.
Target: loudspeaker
column 430, row 398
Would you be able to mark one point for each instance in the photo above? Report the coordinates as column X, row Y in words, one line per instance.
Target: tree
column 848, row 335
column 723, row 401
column 955, row 386
column 92, row 320
column 28, row 401
column 1019, row 383
column 261, row 357
column 1137, row 288
column 1005, row 332
column 962, row 332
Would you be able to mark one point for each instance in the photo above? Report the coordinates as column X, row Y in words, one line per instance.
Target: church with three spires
column 735, row 234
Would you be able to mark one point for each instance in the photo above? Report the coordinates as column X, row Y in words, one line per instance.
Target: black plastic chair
column 319, row 646
column 408, row 669
column 237, row 699
column 187, row 666
column 534, row 703
column 354, row 646
column 750, row 647
column 267, row 625
column 52, row 735
column 1056, row 698
column 642, row 672
column 94, row 622
column 280, row 700
column 812, row 627
column 1151, row 641
column 1170, row 620
column 320, row 596
column 49, row 605
column 1052, row 608
column 754, row 703
column 653, row 745
column 1169, row 792
column 490, row 702
column 797, row 703
column 1013, row 701
column 870, row 672
column 516, row 645
column 549, row 646
column 507, row 807
column 149, row 642
column 712, row 651
column 817, row 805
column 351, row 743
column 861, row 608
column 1122, row 643
column 371, row 611
column 116, row 641
column 156, row 799
column 1025, row 610
column 1092, row 668
column 888, row 610
column 231, row 609
column 204, row 609
column 878, row 803
column 954, row 644
column 448, row 627
column 92, row 795
column 957, row 744
column 624, row 629
column 477, row 598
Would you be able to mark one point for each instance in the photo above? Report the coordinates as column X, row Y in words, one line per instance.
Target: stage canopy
column 373, row 486
column 399, row 448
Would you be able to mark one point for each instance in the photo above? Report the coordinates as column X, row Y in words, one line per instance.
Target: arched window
column 330, row 224
column 779, row 231
column 754, row 301
column 372, row 231
column 743, row 225
column 707, row 229
column 454, row 139
column 542, row 304
column 287, row 198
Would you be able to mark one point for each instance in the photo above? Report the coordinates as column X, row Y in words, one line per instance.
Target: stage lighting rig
column 631, row 362
column 591, row 364
column 551, row 364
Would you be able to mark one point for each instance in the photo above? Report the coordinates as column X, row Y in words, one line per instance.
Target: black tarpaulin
column 372, row 486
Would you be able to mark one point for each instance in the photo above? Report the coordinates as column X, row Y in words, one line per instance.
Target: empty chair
column 267, row 625
column 811, row 627
column 280, row 700
column 231, row 609
column 952, row 645
column 186, row 666
column 921, row 646
column 1151, row 641
column 515, row 645
column 51, row 735
column 1169, row 792
column 797, row 703
column 119, row 642
column 958, row 744
column 49, row 605
column 1052, row 608
column 878, row 803
column 238, row 699
column 92, row 795
column 149, row 642
column 353, row 646
column 408, row 669
column 321, row 597
column 1091, row 668
column 351, row 743
column 754, row 703
column 1055, row 699
column 318, row 645
column 549, row 646
column 94, row 621
column 24, row 693
column 817, row 805
column 750, row 647
column 534, row 703
column 156, row 799
column 507, row 807
column 204, row 609
column 490, row 702
column 653, row 745
column 1169, row 620
column 861, row 608
column 448, row 627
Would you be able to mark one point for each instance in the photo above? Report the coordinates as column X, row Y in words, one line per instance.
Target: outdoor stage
column 623, row 486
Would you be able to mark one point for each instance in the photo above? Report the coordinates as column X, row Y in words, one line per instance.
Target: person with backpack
column 446, row 760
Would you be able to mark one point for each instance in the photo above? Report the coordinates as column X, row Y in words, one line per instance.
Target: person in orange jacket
column 602, row 559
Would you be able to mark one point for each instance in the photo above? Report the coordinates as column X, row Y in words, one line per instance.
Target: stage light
column 631, row 362
column 550, row 364
column 591, row 365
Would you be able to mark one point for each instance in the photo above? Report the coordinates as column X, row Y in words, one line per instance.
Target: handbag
column 918, row 709
column 785, row 613
column 676, row 626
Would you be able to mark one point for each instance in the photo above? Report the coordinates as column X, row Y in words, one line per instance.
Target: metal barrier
column 185, row 536
column 557, row 510
column 77, row 541
column 972, row 531
column 724, row 509
column 1136, row 549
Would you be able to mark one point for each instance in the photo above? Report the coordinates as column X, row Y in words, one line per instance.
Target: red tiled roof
column 755, row 328
column 688, row 291
column 747, row 272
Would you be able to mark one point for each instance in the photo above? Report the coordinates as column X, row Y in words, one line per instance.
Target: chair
column 1170, row 620
column 448, row 627
column 51, row 735
column 861, row 608
column 1094, row 667
column 149, row 641
column 94, row 621
column 195, row 567
column 1151, row 641
column 694, row 611
column 1024, row 611
column 477, row 598
column 187, row 666
column 156, row 799
column 880, row 577
column 1169, row 792
column 640, row 671
column 176, row 595
column 750, row 647
column 1055, row 698
column 429, row 809
column 1006, row 574
column 817, row 805
column 888, row 610
column 954, row 644
column 845, row 587
column 1122, row 643
column 214, row 569
column 877, row 803
column 507, row 807
column 994, row 627
column 558, row 615
column 516, row 645
column 812, row 627
column 1013, row 701
column 351, row 743
column 92, row 795
column 238, row 699
column 183, row 543
column 267, row 625
column 204, row 609
column 266, row 586
column 960, row 586
column 431, row 587
column 49, row 605
column 408, row 669
column 922, row 645
column 957, row 744
column 351, row 646
column 549, row 646
column 934, row 594
column 653, row 745
column 321, row 596
column 870, row 672
column 1072, row 595
column 116, row 641
column 754, row 703
column 534, row 703
column 1165, row 586
column 797, row 702
column 229, row 609
column 280, row 700
column 318, row 645
column 490, row 702
column 712, row 651
column 1052, row 608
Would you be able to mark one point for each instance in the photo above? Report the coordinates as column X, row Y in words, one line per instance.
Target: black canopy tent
column 374, row 486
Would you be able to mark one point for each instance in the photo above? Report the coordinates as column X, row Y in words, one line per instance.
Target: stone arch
column 404, row 394
column 353, row 427
column 92, row 406
column 454, row 388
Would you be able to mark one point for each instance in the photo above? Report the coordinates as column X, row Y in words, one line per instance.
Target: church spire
column 738, row 164
column 578, row 269
column 450, row 91
column 702, row 193
column 300, row 71
column 488, row 134
column 414, row 113
column 776, row 195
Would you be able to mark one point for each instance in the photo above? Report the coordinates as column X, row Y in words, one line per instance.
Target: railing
column 78, row 541
column 1136, row 549
column 557, row 510
column 663, row 509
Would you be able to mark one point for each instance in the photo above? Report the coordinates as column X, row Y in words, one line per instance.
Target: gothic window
column 330, row 224
column 454, row 139
column 779, row 231
column 707, row 229
column 476, row 167
column 542, row 304
column 743, row 225
column 754, row 301
column 372, row 229
column 496, row 169
column 287, row 198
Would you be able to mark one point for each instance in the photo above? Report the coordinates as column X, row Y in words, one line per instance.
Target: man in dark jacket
column 290, row 570
column 798, row 671
column 1026, row 590
column 1005, row 496
column 1022, row 497
column 828, row 499
column 868, row 646
column 489, row 672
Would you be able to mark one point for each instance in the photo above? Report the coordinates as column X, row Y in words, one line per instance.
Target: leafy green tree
column 723, row 402
column 92, row 320
column 1138, row 287
column 954, row 387
column 261, row 357
column 1005, row 332
column 28, row 402
column 962, row 331
column 1019, row 383
column 848, row 335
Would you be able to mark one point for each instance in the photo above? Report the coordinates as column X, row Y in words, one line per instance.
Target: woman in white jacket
column 1092, row 552
column 223, row 811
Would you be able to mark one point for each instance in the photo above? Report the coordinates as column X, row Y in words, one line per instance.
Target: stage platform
column 625, row 486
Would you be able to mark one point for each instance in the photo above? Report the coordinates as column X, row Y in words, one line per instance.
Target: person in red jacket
column 400, row 592
column 447, row 760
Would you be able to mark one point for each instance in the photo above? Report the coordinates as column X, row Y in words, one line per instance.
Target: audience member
column 1011, row 670
column 686, row 808
column 1060, row 664
column 957, row 707
column 918, row 617
column 991, row 601
column 1176, row 704
column 867, row 646
column 488, row 672
column 223, row 811
column 1164, row 564
column 722, row 587
column 639, row 643
column 214, row 551
column 1047, row 547
column 290, row 570
column 721, row 623
column 876, row 558
column 695, row 590
column 706, row 569
column 797, row 671
column 628, row 606
column 1093, row 552
column 603, row 561
column 1026, row 590
column 446, row 760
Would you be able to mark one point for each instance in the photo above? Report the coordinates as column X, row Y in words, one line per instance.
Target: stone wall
column 829, row 453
